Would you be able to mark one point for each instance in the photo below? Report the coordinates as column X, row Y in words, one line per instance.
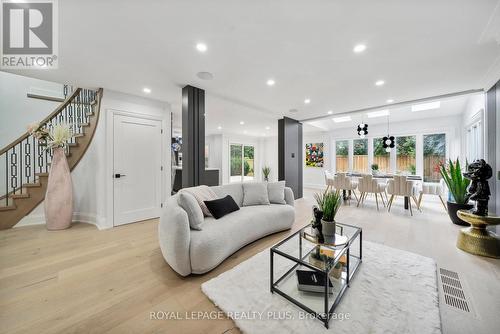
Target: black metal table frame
column 326, row 316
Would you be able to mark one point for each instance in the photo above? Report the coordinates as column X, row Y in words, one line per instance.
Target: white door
column 137, row 168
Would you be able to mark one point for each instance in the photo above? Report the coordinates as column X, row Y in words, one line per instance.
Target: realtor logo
column 29, row 34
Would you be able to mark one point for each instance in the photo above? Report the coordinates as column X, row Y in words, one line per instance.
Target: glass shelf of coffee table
column 335, row 263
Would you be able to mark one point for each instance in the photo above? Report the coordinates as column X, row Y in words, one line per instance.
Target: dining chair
column 342, row 182
column 328, row 180
column 368, row 185
column 433, row 188
column 401, row 186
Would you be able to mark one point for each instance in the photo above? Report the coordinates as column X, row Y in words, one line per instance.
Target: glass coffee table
column 315, row 276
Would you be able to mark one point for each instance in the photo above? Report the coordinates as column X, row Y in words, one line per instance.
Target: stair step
column 93, row 102
column 6, row 208
column 42, row 174
column 25, row 195
column 32, row 185
column 72, row 144
column 90, row 113
column 84, row 124
column 77, row 135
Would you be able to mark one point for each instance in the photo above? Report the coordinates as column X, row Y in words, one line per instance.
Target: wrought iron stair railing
column 25, row 159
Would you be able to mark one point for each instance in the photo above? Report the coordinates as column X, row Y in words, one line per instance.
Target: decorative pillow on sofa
column 201, row 194
column 255, row 194
column 192, row 208
column 222, row 206
column 276, row 192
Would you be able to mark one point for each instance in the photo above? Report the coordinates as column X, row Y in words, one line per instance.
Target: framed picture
column 314, row 155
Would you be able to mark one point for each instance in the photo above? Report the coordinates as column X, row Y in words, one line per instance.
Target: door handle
column 117, row 176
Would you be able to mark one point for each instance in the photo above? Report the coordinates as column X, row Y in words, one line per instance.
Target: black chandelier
column 362, row 129
column 388, row 141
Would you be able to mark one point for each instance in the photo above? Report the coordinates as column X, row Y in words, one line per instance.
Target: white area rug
column 393, row 292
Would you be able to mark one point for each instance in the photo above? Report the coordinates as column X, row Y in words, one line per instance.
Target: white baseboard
column 39, row 219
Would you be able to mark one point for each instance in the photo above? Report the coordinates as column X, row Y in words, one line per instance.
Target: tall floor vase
column 59, row 196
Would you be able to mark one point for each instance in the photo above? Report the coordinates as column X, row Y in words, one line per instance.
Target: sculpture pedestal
column 476, row 239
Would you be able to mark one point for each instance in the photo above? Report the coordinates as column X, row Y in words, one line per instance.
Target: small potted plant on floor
column 329, row 203
column 266, row 171
column 457, row 185
column 374, row 169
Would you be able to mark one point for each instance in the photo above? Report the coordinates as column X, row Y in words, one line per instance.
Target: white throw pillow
column 276, row 192
column 255, row 194
column 192, row 208
column 202, row 194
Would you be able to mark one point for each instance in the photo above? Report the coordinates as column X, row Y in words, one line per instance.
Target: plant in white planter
column 329, row 203
column 266, row 171
column 59, row 196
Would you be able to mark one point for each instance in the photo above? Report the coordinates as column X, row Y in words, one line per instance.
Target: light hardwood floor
column 87, row 281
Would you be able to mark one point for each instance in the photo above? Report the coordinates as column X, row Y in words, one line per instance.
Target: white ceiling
column 448, row 107
column 420, row 48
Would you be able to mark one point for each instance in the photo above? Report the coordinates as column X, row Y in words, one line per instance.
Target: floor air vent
column 454, row 295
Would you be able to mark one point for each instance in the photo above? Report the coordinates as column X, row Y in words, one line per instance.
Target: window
column 381, row 158
column 342, row 155
column 405, row 159
column 474, row 141
column 360, row 151
column 434, row 155
column 241, row 163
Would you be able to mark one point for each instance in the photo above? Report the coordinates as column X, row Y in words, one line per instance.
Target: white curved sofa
column 191, row 251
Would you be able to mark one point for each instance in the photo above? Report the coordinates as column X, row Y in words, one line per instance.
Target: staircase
column 25, row 165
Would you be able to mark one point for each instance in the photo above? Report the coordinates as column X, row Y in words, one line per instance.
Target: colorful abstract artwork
column 314, row 155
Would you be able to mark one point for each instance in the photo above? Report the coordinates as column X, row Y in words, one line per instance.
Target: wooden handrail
column 45, row 120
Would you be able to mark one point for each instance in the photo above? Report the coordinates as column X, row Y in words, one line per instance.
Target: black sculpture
column 318, row 215
column 479, row 172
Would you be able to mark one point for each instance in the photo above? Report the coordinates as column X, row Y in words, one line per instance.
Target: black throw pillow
column 222, row 206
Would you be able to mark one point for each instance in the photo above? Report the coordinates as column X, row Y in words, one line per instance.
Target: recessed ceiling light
column 426, row 106
column 242, row 123
column 330, row 112
column 307, row 101
column 202, row 47
column 268, row 128
column 219, row 127
column 359, row 48
column 389, row 100
column 270, row 82
column 146, row 90
column 379, row 83
column 205, row 75
column 342, row 119
column 378, row 113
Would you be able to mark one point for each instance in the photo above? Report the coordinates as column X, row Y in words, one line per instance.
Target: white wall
column 214, row 143
column 270, row 158
column 473, row 112
column 314, row 177
column 92, row 179
column 17, row 110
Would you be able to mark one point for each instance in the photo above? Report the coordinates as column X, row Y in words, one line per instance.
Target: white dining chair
column 433, row 188
column 329, row 180
column 342, row 182
column 401, row 186
column 368, row 185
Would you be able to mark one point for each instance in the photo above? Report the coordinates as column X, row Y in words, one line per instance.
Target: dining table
column 347, row 194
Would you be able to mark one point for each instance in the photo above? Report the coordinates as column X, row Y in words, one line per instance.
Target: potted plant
column 329, row 203
column 374, row 169
column 58, row 201
column 266, row 171
column 457, row 185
